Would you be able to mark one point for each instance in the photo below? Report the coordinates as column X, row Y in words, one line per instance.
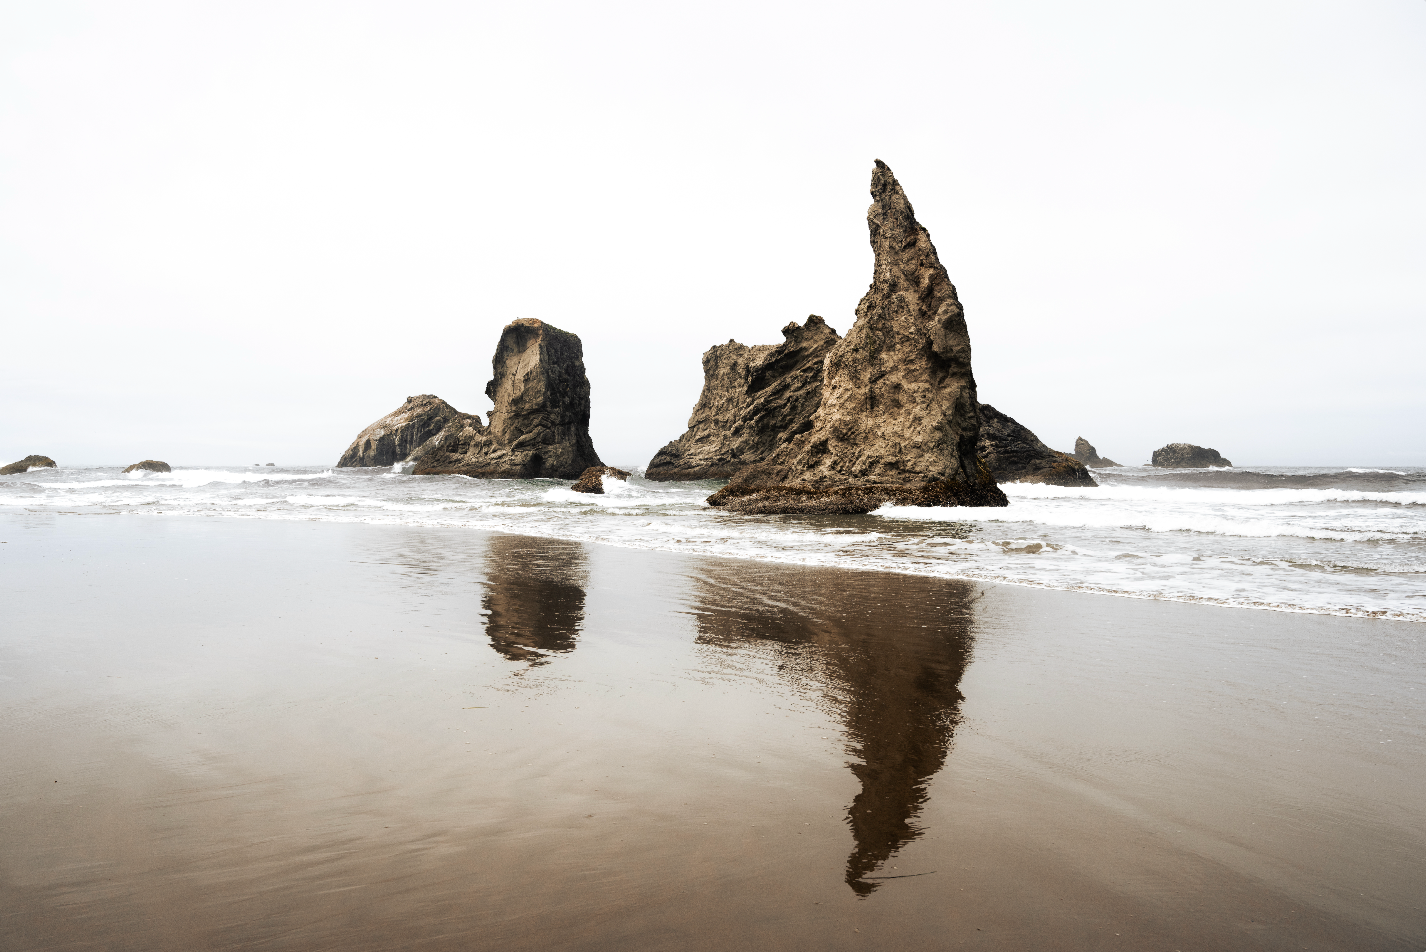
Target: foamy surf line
column 811, row 552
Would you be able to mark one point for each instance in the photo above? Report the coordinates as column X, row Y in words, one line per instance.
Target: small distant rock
column 269, row 464
column 592, row 479
column 150, row 465
column 1187, row 456
column 1085, row 452
column 24, row 465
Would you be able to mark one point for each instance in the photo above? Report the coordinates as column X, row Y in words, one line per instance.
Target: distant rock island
column 1015, row 455
column 23, row 466
column 898, row 420
column 539, row 426
column 1187, row 456
column 151, row 466
column 592, row 479
column 1085, row 452
column 754, row 400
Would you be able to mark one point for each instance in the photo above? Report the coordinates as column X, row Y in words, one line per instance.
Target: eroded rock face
column 899, row 420
column 539, row 426
column 151, row 466
column 754, row 400
column 1016, row 455
column 1187, row 456
column 401, row 432
column 1085, row 452
column 592, row 479
column 23, row 466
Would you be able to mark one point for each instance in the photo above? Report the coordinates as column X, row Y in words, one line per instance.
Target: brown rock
column 1016, row 455
column 592, row 479
column 150, row 465
column 754, row 400
column 1085, row 452
column 23, row 466
column 539, row 426
column 401, row 432
column 1187, row 456
column 898, row 419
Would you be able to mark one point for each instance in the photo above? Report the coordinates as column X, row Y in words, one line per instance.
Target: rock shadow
column 534, row 597
column 885, row 653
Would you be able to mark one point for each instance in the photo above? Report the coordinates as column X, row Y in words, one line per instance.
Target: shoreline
column 298, row 734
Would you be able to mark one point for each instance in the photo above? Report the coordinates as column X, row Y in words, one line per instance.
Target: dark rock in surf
column 539, row 426
column 592, row 479
column 1085, row 452
column 898, row 421
column 150, row 466
column 1187, row 456
column 24, row 465
column 400, row 433
column 754, row 400
column 1016, row 455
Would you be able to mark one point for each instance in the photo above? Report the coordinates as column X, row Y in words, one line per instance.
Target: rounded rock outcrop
column 26, row 464
column 150, row 466
column 1187, row 456
column 592, row 479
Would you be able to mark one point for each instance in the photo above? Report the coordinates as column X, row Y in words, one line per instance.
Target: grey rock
column 754, row 400
column 592, row 479
column 401, row 432
column 1016, row 455
column 898, row 421
column 1085, row 452
column 151, row 466
column 23, row 466
column 1187, row 456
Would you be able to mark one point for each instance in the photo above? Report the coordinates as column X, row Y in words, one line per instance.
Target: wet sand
column 290, row 735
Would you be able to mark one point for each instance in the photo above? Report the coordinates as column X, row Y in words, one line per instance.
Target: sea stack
column 1187, row 456
column 1016, row 455
column 754, row 400
column 1085, row 452
column 539, row 426
column 149, row 466
column 24, row 465
column 898, row 420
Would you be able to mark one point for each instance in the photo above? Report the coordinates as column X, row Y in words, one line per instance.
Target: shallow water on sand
column 1343, row 541
column 275, row 735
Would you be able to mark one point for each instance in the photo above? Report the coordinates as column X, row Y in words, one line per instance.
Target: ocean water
column 1343, row 541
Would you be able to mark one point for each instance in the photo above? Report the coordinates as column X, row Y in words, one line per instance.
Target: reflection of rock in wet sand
column 888, row 653
column 534, row 597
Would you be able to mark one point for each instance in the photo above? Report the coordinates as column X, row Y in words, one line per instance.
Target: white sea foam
column 1293, row 548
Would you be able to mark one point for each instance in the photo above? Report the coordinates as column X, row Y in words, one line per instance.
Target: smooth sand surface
column 224, row 734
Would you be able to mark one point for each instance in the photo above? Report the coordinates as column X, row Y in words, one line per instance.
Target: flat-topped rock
column 754, row 400
column 898, row 420
column 150, row 466
column 24, row 465
column 1187, row 456
column 1085, row 452
column 1016, row 455
column 592, row 479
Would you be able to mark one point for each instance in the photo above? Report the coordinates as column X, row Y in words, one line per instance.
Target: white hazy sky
column 238, row 232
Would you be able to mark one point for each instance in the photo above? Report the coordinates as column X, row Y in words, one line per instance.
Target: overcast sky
column 238, row 232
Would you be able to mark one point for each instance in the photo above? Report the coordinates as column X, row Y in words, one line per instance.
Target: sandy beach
column 226, row 733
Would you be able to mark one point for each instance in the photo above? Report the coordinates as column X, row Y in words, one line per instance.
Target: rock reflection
column 887, row 652
column 534, row 597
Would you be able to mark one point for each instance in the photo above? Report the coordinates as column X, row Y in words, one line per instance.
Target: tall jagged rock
column 898, row 420
column 401, row 432
column 754, row 399
column 539, row 426
column 1016, row 455
column 1085, row 452
column 1187, row 456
